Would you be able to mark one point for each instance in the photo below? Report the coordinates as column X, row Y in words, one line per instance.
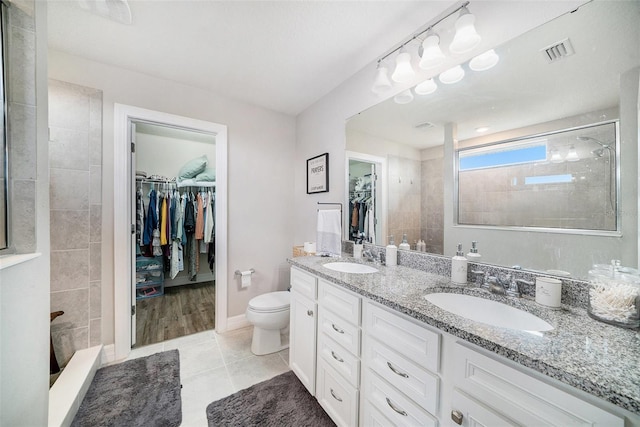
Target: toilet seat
column 271, row 302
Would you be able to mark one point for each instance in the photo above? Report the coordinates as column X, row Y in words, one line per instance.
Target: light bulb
column 452, row 75
column 404, row 71
column 426, row 87
column 432, row 55
column 556, row 157
column 484, row 61
column 382, row 83
column 572, row 155
column 466, row 37
column 403, row 97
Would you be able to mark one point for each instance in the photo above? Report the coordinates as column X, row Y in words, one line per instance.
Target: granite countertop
column 595, row 357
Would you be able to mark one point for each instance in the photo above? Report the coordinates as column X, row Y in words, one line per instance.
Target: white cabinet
column 469, row 412
column 303, row 327
column 512, row 394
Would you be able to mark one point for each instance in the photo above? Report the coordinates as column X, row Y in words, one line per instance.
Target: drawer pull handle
column 310, row 313
column 395, row 371
column 335, row 397
column 336, row 357
column 392, row 406
column 335, row 328
column 456, row 416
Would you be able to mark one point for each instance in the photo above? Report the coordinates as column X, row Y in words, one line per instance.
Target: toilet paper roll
column 310, row 247
column 245, row 278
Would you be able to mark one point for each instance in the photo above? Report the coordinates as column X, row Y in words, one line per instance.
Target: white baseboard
column 237, row 322
column 108, row 354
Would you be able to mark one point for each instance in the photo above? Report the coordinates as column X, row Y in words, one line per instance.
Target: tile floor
column 213, row 366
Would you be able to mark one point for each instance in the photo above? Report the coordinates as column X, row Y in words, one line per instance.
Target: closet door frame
column 124, row 115
column 381, row 187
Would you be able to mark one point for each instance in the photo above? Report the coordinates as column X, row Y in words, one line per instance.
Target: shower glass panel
column 4, row 153
column 563, row 180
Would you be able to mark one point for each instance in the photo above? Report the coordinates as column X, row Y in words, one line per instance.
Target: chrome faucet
column 503, row 285
column 369, row 255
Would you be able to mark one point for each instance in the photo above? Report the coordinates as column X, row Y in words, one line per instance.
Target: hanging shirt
column 208, row 226
column 151, row 223
column 189, row 218
column 163, row 223
column 199, row 218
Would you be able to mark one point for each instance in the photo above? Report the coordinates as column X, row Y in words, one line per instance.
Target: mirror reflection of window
column 4, row 153
column 560, row 180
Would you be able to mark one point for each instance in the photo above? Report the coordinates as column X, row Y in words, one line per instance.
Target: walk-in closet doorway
column 157, row 299
column 174, row 200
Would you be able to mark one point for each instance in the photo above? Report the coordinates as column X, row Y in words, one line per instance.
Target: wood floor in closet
column 182, row 310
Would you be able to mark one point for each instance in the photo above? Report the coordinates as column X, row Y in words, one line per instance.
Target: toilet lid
column 272, row 301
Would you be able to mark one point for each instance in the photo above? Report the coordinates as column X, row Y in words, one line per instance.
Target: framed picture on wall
column 318, row 174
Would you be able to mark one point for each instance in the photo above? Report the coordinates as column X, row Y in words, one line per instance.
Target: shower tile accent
column 75, row 158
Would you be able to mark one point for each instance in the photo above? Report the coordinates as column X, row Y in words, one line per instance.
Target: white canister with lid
column 548, row 291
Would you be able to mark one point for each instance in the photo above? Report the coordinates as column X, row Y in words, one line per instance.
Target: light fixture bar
column 429, row 27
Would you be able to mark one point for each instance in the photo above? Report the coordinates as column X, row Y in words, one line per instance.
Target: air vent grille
column 558, row 50
column 425, row 125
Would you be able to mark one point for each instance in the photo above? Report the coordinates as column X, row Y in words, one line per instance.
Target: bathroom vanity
column 374, row 351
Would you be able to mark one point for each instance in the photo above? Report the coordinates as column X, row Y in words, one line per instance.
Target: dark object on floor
column 139, row 392
column 281, row 401
column 54, row 368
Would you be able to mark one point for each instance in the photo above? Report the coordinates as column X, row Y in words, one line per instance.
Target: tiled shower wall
column 499, row 196
column 432, row 208
column 21, row 102
column 405, row 191
column 75, row 160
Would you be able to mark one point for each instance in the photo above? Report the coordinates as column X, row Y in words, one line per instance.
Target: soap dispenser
column 473, row 254
column 459, row 267
column 391, row 253
column 404, row 245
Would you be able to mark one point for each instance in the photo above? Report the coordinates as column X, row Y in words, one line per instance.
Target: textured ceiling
column 281, row 55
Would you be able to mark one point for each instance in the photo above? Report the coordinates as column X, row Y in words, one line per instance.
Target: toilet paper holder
column 239, row 273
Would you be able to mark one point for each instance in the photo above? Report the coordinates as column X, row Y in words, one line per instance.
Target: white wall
column 321, row 128
column 24, row 288
column 261, row 147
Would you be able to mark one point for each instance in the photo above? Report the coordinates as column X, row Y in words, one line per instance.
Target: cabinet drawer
column 371, row 417
column 341, row 331
column 338, row 398
column 417, row 383
column 340, row 359
column 522, row 397
column 340, row 301
column 393, row 405
column 418, row 343
column 474, row 413
column 304, row 283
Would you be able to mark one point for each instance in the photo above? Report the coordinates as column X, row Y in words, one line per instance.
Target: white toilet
column 269, row 315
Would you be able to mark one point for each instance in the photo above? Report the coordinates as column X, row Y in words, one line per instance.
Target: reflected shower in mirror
column 563, row 180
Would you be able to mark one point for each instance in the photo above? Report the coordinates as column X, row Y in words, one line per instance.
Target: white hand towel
column 329, row 240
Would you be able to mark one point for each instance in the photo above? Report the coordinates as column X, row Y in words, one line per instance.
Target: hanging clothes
column 163, row 222
column 208, row 226
column 199, row 218
column 140, row 217
column 151, row 223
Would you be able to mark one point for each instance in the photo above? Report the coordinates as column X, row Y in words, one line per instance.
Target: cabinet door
column 470, row 413
column 302, row 340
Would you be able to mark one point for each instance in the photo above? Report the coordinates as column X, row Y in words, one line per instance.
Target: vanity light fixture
column 382, row 82
column 426, row 87
column 431, row 55
column 484, row 61
column 404, row 72
column 404, row 97
column 452, row 75
column 466, row 38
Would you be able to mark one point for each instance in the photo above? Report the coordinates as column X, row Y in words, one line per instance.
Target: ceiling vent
column 425, row 125
column 557, row 51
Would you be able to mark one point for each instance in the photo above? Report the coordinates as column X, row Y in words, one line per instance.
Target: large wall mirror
column 583, row 105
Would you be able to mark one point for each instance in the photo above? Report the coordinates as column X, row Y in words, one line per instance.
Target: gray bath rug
column 138, row 392
column 281, row 401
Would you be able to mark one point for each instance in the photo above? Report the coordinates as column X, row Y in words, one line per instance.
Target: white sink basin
column 487, row 311
column 350, row 267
